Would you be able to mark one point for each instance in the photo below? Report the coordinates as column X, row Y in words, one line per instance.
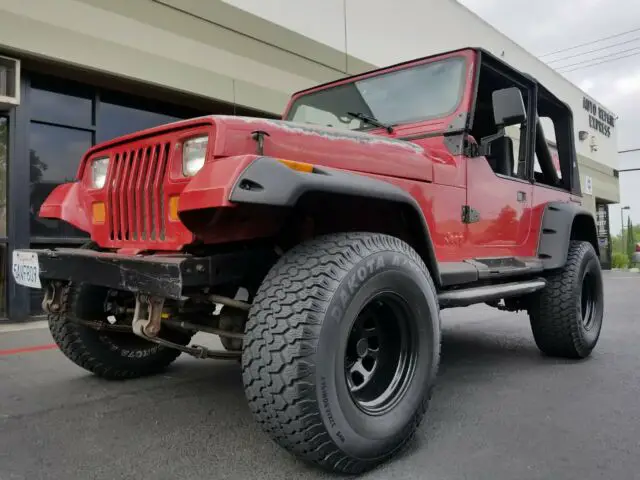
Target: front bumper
column 167, row 276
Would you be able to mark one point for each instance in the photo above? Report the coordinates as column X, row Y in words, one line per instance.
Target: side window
column 550, row 136
column 547, row 169
column 515, row 134
column 507, row 154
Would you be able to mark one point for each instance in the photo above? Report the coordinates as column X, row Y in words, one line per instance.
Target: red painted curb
column 36, row 348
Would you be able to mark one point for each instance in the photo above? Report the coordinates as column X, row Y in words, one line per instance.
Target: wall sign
column 588, row 185
column 599, row 119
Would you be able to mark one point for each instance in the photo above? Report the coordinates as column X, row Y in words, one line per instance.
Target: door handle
column 522, row 196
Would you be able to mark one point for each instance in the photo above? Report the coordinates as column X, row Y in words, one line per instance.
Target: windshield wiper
column 371, row 120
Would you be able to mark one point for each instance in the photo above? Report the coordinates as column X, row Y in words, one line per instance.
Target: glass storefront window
column 4, row 153
column 3, row 280
column 54, row 156
column 120, row 114
column 60, row 103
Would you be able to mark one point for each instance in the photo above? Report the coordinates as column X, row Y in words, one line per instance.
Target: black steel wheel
column 341, row 349
column 589, row 300
column 566, row 316
column 381, row 354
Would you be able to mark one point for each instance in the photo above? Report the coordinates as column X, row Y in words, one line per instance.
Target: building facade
column 91, row 70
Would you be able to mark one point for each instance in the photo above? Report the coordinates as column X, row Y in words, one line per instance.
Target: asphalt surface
column 501, row 411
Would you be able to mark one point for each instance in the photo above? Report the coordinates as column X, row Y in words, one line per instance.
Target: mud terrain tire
column 315, row 343
column 566, row 316
column 111, row 355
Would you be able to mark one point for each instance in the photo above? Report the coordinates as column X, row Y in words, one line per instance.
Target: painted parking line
column 33, row 348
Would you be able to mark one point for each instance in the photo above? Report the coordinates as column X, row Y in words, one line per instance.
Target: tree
column 631, row 239
column 619, row 243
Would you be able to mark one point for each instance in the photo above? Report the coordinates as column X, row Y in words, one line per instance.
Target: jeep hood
column 331, row 147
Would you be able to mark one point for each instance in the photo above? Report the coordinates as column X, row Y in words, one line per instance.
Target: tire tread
column 553, row 314
column 68, row 336
column 282, row 333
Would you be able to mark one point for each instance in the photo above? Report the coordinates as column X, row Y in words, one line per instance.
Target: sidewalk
column 33, row 323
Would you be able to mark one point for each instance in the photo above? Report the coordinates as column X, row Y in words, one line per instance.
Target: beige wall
column 605, row 185
column 202, row 47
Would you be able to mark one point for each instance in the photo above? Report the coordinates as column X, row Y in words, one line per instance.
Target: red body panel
column 211, row 187
column 69, row 203
column 146, row 169
column 504, row 225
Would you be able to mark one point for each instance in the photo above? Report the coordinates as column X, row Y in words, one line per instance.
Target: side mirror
column 508, row 107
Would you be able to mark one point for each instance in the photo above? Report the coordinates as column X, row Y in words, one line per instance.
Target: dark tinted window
column 4, row 144
column 61, row 103
column 119, row 115
column 54, row 156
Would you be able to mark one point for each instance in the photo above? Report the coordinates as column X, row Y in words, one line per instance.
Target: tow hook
column 148, row 327
column 147, row 321
column 52, row 301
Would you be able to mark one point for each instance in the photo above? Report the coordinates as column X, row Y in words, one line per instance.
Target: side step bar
column 468, row 296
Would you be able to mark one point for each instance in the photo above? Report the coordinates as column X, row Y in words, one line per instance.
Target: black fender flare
column 267, row 181
column 562, row 222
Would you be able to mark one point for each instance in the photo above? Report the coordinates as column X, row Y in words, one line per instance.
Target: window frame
column 526, row 84
column 5, row 238
column 64, row 88
column 561, row 117
column 366, row 128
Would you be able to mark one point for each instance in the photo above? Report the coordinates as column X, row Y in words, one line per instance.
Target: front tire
column 566, row 317
column 341, row 349
column 110, row 355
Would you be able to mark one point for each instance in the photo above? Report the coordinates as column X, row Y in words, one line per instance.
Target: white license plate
column 26, row 270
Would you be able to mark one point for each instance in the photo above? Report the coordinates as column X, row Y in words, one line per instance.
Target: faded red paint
column 440, row 182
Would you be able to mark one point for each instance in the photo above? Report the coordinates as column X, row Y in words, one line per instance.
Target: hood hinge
column 258, row 136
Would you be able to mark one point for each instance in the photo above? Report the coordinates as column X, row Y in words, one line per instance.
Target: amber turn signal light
column 98, row 212
column 173, row 208
column 298, row 166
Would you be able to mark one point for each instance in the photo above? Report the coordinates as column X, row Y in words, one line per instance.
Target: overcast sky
column 546, row 26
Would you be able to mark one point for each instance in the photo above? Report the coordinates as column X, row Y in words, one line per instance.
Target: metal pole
column 622, row 228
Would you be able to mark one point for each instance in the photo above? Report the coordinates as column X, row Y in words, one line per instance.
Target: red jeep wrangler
column 321, row 248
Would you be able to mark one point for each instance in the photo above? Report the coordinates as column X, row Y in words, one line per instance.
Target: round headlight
column 193, row 155
column 99, row 169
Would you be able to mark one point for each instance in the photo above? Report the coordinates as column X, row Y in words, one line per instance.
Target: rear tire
column 566, row 316
column 342, row 348
column 111, row 355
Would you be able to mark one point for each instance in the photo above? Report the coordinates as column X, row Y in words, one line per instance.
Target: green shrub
column 620, row 260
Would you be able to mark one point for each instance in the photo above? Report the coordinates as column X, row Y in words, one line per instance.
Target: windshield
column 417, row 93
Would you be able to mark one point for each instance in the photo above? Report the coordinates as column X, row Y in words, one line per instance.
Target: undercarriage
column 148, row 316
column 146, row 295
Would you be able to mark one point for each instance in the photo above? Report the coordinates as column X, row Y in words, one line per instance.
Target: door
column 498, row 184
column 500, row 206
column 499, row 198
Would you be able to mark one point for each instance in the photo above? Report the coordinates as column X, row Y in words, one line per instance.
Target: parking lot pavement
column 501, row 411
